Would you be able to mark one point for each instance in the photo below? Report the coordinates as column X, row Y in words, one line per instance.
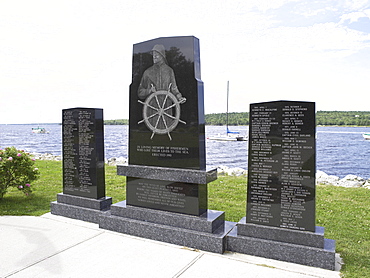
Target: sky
column 58, row 54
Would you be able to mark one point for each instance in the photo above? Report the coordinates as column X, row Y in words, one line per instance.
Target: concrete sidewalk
column 55, row 246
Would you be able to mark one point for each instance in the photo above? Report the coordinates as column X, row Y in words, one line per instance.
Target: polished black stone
column 282, row 165
column 187, row 198
column 162, row 131
column 166, row 128
column 83, row 152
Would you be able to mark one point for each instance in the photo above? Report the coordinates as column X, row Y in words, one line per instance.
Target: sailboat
column 230, row 135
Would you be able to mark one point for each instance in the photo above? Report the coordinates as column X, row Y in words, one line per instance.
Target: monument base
column 167, row 189
column 80, row 208
column 205, row 232
column 299, row 247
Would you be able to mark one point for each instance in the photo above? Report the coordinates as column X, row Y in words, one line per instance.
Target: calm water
column 340, row 150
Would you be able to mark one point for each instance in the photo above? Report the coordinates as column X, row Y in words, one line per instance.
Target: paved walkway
column 55, row 246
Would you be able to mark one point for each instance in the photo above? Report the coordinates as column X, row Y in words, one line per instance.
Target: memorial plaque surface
column 166, row 104
column 166, row 126
column 281, row 165
column 180, row 197
column 83, row 152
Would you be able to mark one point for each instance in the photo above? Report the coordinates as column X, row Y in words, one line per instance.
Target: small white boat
column 229, row 137
column 39, row 130
column 366, row 136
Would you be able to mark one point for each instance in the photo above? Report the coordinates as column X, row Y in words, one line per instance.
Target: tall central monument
column 167, row 126
column 166, row 105
column 166, row 190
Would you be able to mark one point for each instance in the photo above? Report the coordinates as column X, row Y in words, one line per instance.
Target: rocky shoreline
column 321, row 177
column 347, row 181
column 46, row 156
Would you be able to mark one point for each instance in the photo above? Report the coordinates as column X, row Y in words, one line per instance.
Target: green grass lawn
column 344, row 212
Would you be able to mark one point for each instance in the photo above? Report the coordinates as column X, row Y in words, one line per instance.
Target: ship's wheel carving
column 161, row 113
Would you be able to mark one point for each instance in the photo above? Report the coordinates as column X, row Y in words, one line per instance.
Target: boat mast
column 227, row 109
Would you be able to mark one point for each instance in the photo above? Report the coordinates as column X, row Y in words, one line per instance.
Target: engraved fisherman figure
column 161, row 112
column 159, row 77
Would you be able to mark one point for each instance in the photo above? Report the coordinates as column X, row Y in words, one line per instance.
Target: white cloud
column 265, row 5
column 66, row 53
column 354, row 5
column 355, row 16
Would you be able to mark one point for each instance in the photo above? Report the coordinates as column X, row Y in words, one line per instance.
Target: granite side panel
column 283, row 235
column 305, row 255
column 208, row 222
column 167, row 174
column 80, row 213
column 215, row 242
column 103, row 203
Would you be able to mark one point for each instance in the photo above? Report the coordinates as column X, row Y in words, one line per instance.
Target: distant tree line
column 340, row 118
column 352, row 118
column 233, row 118
column 116, row 122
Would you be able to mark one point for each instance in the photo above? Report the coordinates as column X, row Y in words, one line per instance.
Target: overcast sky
column 57, row 54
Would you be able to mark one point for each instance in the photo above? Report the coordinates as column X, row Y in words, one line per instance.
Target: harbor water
column 340, row 150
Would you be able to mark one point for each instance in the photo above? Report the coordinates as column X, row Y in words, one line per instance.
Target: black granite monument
column 166, row 126
column 280, row 218
column 166, row 174
column 83, row 194
column 281, row 165
column 166, row 105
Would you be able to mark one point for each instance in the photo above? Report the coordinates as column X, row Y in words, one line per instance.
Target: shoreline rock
column 113, row 161
column 46, row 156
column 349, row 181
column 236, row 171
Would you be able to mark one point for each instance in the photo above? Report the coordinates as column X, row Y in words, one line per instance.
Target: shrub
column 16, row 170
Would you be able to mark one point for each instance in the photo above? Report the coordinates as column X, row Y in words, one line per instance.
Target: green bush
column 16, row 170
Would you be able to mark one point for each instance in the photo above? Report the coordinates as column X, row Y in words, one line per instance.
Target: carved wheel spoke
column 169, row 107
column 157, row 101
column 151, row 116
column 164, row 102
column 157, row 122
column 169, row 116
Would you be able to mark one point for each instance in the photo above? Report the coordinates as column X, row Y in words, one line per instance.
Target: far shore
column 43, row 124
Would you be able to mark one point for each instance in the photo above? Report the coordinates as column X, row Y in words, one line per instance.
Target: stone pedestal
column 80, row 208
column 175, row 217
column 205, row 232
column 301, row 247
